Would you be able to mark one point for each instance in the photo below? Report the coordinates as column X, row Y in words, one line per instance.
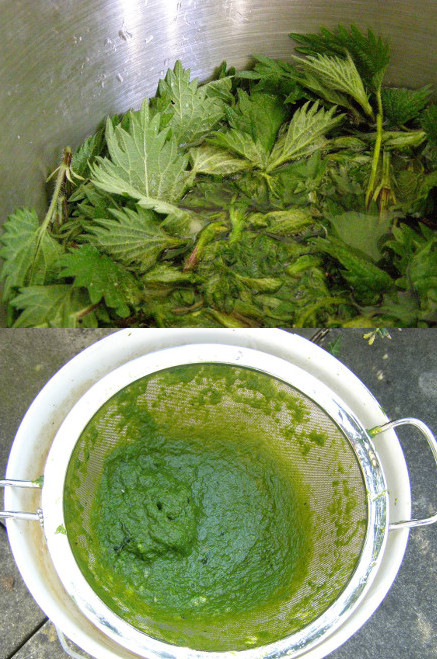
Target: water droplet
column 119, row 77
column 101, row 80
column 149, row 39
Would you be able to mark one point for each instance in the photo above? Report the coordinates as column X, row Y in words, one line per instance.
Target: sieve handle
column 12, row 514
column 427, row 433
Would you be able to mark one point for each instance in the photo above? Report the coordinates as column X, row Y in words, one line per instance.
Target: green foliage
column 258, row 115
column 134, row 237
column 144, row 163
column 273, row 76
column 366, row 279
column 416, row 257
column 429, row 124
column 87, row 152
column 57, row 305
column 22, row 264
column 305, row 134
column 371, row 54
column 103, row 278
column 247, row 201
column 208, row 159
column 334, row 347
column 190, row 111
column 328, row 73
column 403, row 105
column 361, row 231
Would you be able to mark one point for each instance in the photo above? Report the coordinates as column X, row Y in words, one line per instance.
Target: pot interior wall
column 65, row 65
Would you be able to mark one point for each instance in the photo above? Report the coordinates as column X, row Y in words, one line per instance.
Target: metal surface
column 65, row 441
column 12, row 514
column 432, row 443
column 65, row 65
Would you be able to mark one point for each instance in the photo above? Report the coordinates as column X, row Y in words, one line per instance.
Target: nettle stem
column 376, row 150
column 63, row 171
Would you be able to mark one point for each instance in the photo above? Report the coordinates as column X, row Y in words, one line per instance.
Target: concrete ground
column 402, row 374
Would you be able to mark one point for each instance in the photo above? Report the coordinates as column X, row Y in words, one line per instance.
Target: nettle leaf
column 282, row 223
column 87, row 152
column 371, row 54
column 402, row 105
column 103, row 278
column 208, row 159
column 429, row 124
column 192, row 111
column 144, row 164
column 316, row 86
column 366, row 279
column 422, row 270
column 58, row 305
column 336, row 73
column 243, row 144
column 305, row 134
column 134, row 238
column 19, row 240
column 361, row 231
column 273, row 76
column 221, row 88
column 258, row 115
column 165, row 274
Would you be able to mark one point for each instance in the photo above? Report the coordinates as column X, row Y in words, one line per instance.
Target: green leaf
column 422, row 270
column 332, row 96
column 58, row 305
column 283, row 223
column 134, row 237
column 19, row 239
column 261, row 284
column 273, row 76
column 305, row 134
column 207, row 159
column 335, row 346
column 402, row 105
column 166, row 274
column 366, row 279
column 220, row 89
column 103, row 279
column 258, row 115
column 371, row 54
column 144, row 164
column 192, row 111
column 87, row 152
column 243, row 144
column 429, row 124
column 402, row 139
column 338, row 74
column 361, row 231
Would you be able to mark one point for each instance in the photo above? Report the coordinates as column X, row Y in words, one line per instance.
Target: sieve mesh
column 195, row 400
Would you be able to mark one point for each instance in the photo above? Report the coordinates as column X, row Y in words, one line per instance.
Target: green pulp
column 201, row 537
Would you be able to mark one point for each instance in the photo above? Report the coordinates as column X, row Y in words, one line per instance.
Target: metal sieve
column 343, row 469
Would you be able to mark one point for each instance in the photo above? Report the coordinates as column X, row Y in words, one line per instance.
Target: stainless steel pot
column 65, row 64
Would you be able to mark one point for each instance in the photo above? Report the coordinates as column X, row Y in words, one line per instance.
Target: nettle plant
column 293, row 194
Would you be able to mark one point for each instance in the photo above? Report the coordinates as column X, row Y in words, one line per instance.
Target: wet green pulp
column 196, row 532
